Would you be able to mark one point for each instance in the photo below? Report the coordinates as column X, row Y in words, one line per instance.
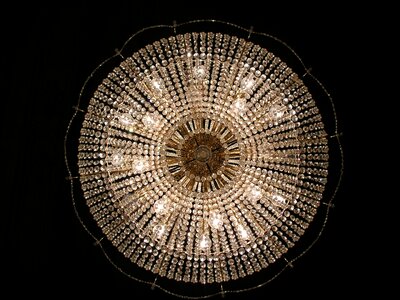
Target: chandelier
column 201, row 158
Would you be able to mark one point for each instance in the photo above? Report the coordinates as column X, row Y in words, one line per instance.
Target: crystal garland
column 203, row 157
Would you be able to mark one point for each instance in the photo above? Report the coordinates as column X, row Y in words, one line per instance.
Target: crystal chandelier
column 202, row 157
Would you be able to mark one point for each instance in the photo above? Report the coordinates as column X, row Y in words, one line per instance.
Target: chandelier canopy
column 202, row 157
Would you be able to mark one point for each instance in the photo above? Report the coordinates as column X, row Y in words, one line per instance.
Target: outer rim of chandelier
column 335, row 136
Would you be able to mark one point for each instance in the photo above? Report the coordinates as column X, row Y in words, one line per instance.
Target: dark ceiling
column 50, row 51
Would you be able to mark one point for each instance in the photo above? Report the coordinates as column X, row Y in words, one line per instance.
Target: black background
column 49, row 51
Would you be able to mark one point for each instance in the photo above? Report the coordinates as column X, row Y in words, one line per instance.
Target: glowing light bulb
column 139, row 164
column 126, row 119
column 215, row 220
column 117, row 159
column 157, row 85
column 277, row 111
column 239, row 105
column 247, row 84
column 151, row 120
column 199, row 72
column 243, row 232
column 160, row 207
column 279, row 199
column 205, row 242
column 279, row 114
column 255, row 193
column 159, row 230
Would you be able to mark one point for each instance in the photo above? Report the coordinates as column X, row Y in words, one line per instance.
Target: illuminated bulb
column 117, row 159
column 279, row 199
column 247, row 84
column 157, row 85
column 239, row 105
column 278, row 114
column 277, row 111
column 160, row 207
column 151, row 120
column 139, row 164
column 216, row 221
column 242, row 232
column 199, row 72
column 255, row 193
column 205, row 242
column 126, row 119
column 159, row 230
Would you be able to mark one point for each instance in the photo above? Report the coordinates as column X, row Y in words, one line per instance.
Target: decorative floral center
column 203, row 155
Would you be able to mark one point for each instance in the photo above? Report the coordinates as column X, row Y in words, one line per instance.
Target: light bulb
column 239, row 105
column 199, row 72
column 255, row 193
column 139, row 164
column 277, row 111
column 215, row 220
column 160, row 207
column 157, row 85
column 117, row 159
column 151, row 120
column 247, row 84
column 278, row 198
column 126, row 119
column 205, row 242
column 159, row 230
column 242, row 232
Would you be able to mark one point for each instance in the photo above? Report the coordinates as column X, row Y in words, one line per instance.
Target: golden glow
column 203, row 147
